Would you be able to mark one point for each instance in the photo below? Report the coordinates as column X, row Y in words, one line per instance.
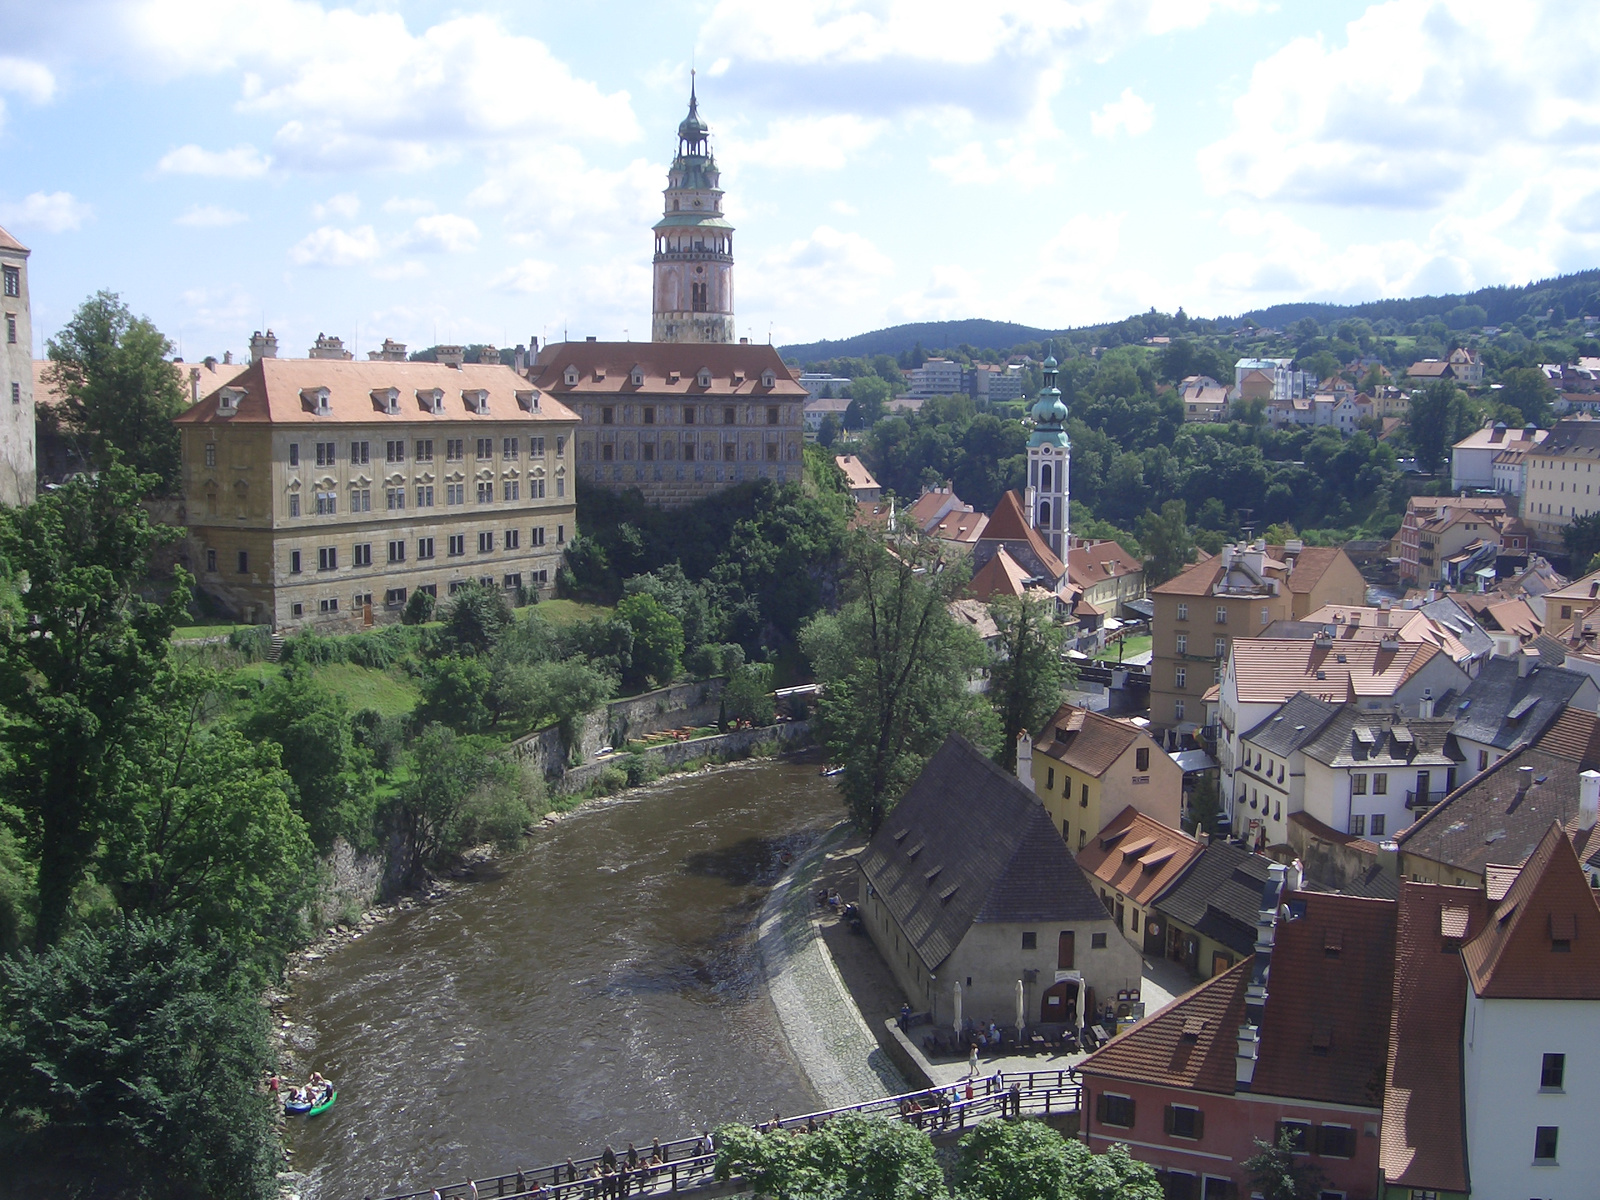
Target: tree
column 419, row 608
column 1436, row 416
column 748, row 696
column 657, row 639
column 1116, row 1175
column 1026, row 679
column 1528, row 391
column 1205, row 804
column 434, row 810
column 868, row 395
column 1282, row 1174
column 680, row 596
column 118, row 390
column 1167, row 540
column 474, row 618
column 456, row 691
column 145, row 1050
column 78, row 668
column 894, row 667
column 853, row 1156
column 1017, row 1160
column 828, row 431
column 1581, row 536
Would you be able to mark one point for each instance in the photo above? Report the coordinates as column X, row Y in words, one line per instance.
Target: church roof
column 1009, row 523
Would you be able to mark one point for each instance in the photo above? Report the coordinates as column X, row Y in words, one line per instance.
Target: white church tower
column 1050, row 465
column 693, row 294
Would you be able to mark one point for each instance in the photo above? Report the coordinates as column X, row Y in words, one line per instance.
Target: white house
column 1472, row 459
column 1373, row 776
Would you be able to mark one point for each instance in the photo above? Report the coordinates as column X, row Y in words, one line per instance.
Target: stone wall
column 671, row 755
column 683, row 704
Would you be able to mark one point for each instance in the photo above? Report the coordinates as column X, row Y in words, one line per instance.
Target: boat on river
column 312, row 1107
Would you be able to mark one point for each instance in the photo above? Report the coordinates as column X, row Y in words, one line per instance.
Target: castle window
column 728, row 415
column 772, row 414
column 1044, row 477
column 13, row 281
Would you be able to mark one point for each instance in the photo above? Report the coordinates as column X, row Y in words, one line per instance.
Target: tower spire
column 693, row 299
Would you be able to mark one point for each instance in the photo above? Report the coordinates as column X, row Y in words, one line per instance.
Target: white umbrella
column 1021, row 1016
column 957, row 1022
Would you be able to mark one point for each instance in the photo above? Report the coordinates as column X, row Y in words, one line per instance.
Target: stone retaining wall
column 789, row 736
column 683, row 704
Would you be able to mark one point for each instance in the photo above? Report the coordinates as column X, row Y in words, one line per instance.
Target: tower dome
column 1049, row 411
column 693, row 268
column 1049, row 491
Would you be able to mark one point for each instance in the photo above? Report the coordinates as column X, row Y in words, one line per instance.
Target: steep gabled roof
column 1008, row 523
column 1191, row 1043
column 1543, row 940
column 1085, row 740
column 1483, row 712
column 1138, row 855
column 7, row 242
column 1325, row 1032
column 968, row 844
column 1089, row 565
column 1310, row 565
column 1194, row 580
column 1220, row 895
column 1424, row 1128
column 1000, row 576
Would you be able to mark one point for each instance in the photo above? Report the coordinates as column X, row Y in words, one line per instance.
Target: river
column 604, row 987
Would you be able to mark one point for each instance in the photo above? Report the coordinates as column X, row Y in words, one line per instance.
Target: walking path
column 820, row 1020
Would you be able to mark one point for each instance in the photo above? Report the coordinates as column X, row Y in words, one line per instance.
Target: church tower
column 693, row 300
column 1049, row 465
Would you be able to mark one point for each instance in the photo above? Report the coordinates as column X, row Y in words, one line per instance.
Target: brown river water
column 604, row 986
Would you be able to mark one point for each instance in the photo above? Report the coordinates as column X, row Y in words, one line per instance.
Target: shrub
column 639, row 769
column 419, row 608
column 612, row 779
column 253, row 643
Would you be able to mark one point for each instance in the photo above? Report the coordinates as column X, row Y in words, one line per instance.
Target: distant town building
column 821, row 385
column 940, row 513
column 1475, row 461
column 864, row 489
column 1462, row 366
column 817, row 411
column 937, row 377
column 1204, row 399
column 1562, row 483
column 17, row 463
column 1271, row 379
column 1108, row 576
column 327, row 491
column 1446, row 538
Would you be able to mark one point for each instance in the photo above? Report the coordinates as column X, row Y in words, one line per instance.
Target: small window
column 360, row 453
column 1379, row 821
column 362, row 554
column 649, row 411
column 396, row 451
column 13, row 281
column 1358, row 824
column 211, row 454
column 1116, row 1110
column 425, row 450
column 486, row 542
column 1544, row 1143
column 1185, row 1122
column 397, row 552
column 1183, row 612
column 510, row 447
column 1299, row 1135
column 455, row 449
column 244, row 562
column 1083, row 798
column 1380, row 785
column 1049, row 779
column 772, row 414
column 330, row 605
column 561, row 535
column 211, row 560
column 394, row 598
column 608, row 415
column 1552, row 1072
column 485, row 447
column 1336, row 1141
column 729, row 416
column 1222, row 615
column 297, row 610
column 294, row 454
column 1180, row 678
column 513, row 539
column 294, row 569
column 1030, row 941
column 328, row 558
column 1097, row 941
column 688, row 415
column 536, row 536
column 458, row 545
column 1358, row 784
column 1141, row 758
column 294, row 504
column 424, row 548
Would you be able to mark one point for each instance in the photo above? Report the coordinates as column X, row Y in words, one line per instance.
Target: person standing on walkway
column 972, row 1062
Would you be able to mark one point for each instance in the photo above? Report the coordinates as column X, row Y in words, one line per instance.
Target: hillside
column 1572, row 295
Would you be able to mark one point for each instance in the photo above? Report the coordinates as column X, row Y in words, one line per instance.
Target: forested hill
column 1570, row 296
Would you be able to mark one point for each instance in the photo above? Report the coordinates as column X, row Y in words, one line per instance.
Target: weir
column 689, row 1167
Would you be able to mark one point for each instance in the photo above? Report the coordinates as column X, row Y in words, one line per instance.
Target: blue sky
column 435, row 172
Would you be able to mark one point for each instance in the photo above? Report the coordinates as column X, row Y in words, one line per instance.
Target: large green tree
column 119, row 392
column 657, row 639
column 1437, row 420
column 1167, row 540
column 850, row 1157
column 134, row 1047
column 1528, row 391
column 1282, row 1171
column 1026, row 679
column 1581, row 536
column 436, row 813
column 1025, row 1160
column 81, row 658
column 894, row 668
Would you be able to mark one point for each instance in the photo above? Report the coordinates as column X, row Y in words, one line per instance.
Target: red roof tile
column 1270, row 670
column 7, row 242
column 1085, row 740
column 1008, row 523
column 1137, row 855
column 1000, row 576
column 607, row 368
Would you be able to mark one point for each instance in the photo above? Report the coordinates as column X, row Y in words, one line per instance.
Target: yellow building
column 1086, row 768
column 1562, row 481
column 326, row 492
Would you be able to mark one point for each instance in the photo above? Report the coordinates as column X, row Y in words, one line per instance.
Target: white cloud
column 544, row 188
column 444, row 232
column 410, row 269
column 410, row 206
column 33, row 81
column 242, row 162
column 345, row 204
column 806, row 143
column 527, row 277
column 951, row 292
column 843, row 268
column 51, row 212
column 209, row 216
column 330, row 247
column 845, row 209
column 1128, row 113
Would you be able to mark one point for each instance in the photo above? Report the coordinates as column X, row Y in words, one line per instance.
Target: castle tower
column 1050, row 465
column 693, row 300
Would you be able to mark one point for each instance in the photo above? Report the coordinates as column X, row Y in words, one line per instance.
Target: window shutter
column 1167, row 1120
column 1100, row 1108
column 1199, row 1124
column 1130, row 1112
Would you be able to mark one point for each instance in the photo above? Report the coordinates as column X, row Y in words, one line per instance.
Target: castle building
column 695, row 410
column 693, row 300
column 1049, row 466
column 325, row 491
column 17, row 474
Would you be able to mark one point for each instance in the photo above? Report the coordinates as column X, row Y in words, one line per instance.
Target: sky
column 489, row 172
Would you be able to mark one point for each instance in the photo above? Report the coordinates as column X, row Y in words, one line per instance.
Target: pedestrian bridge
column 687, row 1166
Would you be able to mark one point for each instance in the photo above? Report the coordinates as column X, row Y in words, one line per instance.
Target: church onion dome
column 692, row 130
column 1049, row 411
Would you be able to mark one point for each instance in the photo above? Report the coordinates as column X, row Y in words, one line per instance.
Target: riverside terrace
column 1030, row 1093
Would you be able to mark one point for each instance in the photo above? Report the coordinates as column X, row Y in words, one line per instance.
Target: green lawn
column 206, row 629
column 390, row 692
column 565, row 612
column 1131, row 647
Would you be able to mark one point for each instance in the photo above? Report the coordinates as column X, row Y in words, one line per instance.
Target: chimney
column 1297, row 875
column 194, row 385
column 1255, row 996
column 1524, row 780
column 1588, row 800
column 227, row 358
column 589, row 339
column 263, row 345
column 519, row 360
column 451, row 356
column 1425, row 705
column 1527, row 662
column 1389, row 642
column 744, row 341
column 1389, row 858
column 1025, row 759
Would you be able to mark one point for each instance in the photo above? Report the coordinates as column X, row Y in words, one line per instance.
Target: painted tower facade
column 1050, row 465
column 17, row 457
column 693, row 300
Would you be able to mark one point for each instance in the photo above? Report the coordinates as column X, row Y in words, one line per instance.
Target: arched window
column 1044, row 477
column 1044, row 514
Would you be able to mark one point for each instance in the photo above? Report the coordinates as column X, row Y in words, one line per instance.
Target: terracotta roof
column 665, row 367
column 968, row 843
column 278, row 390
column 1270, row 670
column 1514, row 616
column 1137, row 855
column 1089, row 565
column 212, row 376
column 1518, row 955
column 1424, row 1131
column 1000, row 576
column 1332, row 982
column 1191, row 1043
column 1575, row 734
column 1008, row 523
column 1429, row 370
column 1194, row 580
column 974, row 615
column 963, row 527
column 855, row 472
column 1490, row 437
column 1310, row 565
column 1086, row 741
column 7, row 242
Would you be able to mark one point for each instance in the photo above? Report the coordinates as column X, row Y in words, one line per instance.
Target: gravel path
column 821, row 1022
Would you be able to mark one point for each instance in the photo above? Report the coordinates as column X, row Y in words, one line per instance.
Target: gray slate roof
column 1461, row 623
column 1340, row 744
column 969, row 843
column 1220, row 896
column 1481, row 712
column 1297, row 721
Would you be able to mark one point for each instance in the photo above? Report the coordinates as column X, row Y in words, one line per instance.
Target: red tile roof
column 1310, row 565
column 1137, row 855
column 1270, row 670
column 855, row 471
column 1085, row 740
column 1008, row 523
column 1518, row 955
column 1089, row 565
column 1000, row 576
column 1159, row 1050
column 1195, row 580
column 606, row 368
column 1424, row 1136
column 7, row 242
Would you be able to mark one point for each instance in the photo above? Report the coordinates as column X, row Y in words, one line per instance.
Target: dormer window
column 674, row 376
column 476, row 400
column 704, row 378
column 431, row 400
column 228, row 401
column 387, row 399
column 571, row 377
column 599, row 372
column 738, row 378
column 768, row 379
column 636, row 377
column 528, row 401
column 317, row 399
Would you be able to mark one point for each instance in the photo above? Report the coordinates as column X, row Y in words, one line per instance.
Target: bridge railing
column 688, row 1163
